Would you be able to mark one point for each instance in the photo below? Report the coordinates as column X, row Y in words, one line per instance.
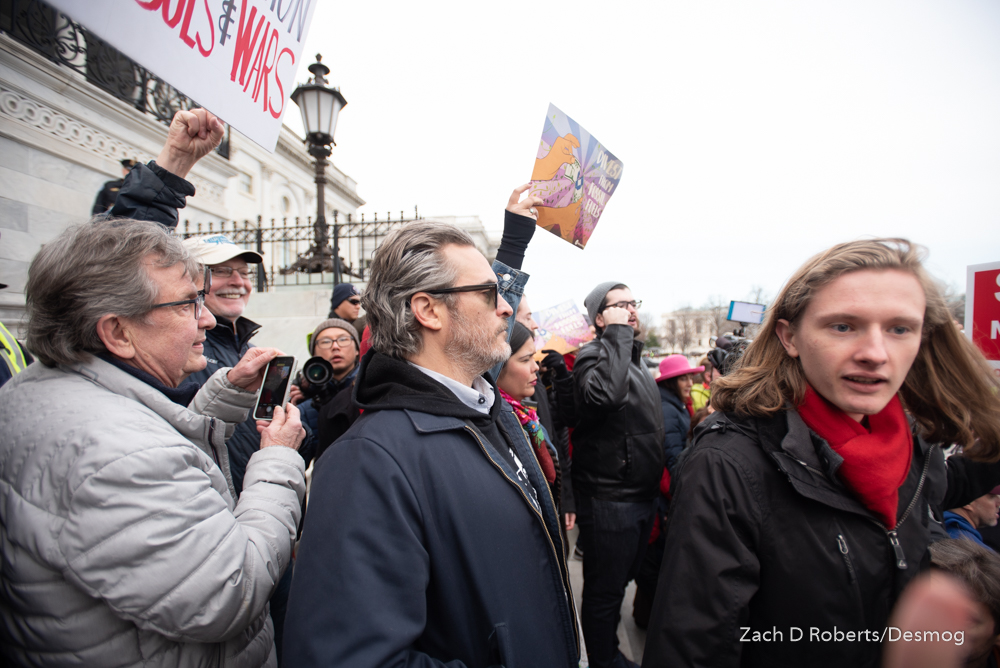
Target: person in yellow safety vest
column 14, row 357
column 701, row 392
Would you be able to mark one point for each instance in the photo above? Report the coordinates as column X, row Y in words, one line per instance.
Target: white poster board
column 236, row 58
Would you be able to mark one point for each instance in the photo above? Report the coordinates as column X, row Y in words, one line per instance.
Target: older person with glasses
column 124, row 541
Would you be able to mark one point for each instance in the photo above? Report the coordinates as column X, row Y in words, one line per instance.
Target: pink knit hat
column 676, row 365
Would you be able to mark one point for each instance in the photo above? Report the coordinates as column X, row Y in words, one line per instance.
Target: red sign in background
column 986, row 313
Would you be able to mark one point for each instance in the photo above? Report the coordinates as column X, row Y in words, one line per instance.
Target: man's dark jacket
column 223, row 348
column 763, row 535
column 106, row 197
column 618, row 440
column 420, row 548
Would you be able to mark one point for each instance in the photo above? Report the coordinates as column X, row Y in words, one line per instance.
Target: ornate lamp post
column 320, row 106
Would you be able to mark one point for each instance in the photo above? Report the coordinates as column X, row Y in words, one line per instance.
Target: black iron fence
column 290, row 251
column 62, row 40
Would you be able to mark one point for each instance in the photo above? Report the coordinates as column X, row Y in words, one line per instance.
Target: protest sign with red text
column 236, row 58
column 982, row 310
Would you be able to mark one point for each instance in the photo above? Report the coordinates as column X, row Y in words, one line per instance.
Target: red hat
column 676, row 365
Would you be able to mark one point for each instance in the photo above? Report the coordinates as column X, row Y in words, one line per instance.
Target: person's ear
column 783, row 330
column 599, row 320
column 428, row 311
column 116, row 336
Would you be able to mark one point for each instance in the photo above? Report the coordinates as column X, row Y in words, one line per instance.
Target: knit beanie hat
column 340, row 293
column 595, row 300
column 332, row 322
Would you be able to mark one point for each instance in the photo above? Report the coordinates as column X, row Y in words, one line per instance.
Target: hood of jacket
column 387, row 383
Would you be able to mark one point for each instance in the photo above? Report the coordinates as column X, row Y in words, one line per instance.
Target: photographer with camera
column 334, row 348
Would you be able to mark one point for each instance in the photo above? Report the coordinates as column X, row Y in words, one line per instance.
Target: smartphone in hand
column 275, row 388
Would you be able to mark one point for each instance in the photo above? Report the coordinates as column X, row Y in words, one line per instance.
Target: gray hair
column 976, row 566
column 407, row 262
column 89, row 271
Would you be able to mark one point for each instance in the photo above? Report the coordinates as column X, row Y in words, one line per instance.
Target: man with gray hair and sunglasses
column 431, row 536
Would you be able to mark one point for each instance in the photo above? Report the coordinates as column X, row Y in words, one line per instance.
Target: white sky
column 753, row 134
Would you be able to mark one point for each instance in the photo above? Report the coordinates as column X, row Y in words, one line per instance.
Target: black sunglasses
column 494, row 289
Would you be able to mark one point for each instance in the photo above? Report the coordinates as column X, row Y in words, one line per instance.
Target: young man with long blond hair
column 805, row 505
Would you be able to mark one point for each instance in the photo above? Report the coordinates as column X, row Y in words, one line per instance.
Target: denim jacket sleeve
column 512, row 282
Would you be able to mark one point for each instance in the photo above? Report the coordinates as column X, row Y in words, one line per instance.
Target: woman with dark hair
column 805, row 505
column 517, row 381
column 675, row 380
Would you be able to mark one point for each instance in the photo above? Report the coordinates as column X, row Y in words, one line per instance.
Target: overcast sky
column 753, row 134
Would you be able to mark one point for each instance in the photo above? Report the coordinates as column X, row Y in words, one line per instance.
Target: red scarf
column 536, row 435
column 876, row 463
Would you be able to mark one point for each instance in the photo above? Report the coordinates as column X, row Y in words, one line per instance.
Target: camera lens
column 317, row 371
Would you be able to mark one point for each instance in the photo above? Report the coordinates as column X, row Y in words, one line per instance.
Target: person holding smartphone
column 124, row 540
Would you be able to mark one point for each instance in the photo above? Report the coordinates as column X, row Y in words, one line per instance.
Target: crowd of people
column 413, row 502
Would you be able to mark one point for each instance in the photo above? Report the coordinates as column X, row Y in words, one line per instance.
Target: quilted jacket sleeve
column 152, row 193
column 221, row 399
column 152, row 534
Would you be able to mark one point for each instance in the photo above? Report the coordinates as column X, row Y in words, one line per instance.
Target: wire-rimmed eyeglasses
column 199, row 301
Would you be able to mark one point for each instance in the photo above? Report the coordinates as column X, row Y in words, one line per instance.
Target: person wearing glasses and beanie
column 617, row 462
column 336, row 341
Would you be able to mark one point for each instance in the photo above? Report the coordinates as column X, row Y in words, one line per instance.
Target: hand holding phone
column 275, row 388
column 285, row 428
column 249, row 371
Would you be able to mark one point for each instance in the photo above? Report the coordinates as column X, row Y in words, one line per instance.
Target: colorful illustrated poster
column 561, row 328
column 575, row 176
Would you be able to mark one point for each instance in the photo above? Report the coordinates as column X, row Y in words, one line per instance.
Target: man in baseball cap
column 226, row 344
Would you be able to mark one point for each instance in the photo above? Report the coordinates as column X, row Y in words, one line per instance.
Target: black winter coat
column 152, row 193
column 618, row 440
column 763, row 537
column 223, row 348
column 420, row 548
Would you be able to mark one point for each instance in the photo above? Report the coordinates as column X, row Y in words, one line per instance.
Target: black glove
column 556, row 363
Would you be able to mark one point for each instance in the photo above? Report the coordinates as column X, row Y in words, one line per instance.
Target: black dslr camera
column 316, row 380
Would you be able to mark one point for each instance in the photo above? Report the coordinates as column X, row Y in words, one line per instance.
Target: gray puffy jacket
column 121, row 542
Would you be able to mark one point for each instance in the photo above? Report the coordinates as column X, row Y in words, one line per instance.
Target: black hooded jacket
column 420, row 545
column 764, row 537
